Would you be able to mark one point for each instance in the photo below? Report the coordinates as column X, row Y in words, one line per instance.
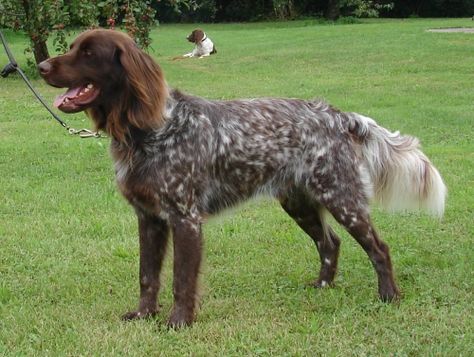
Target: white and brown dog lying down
column 204, row 46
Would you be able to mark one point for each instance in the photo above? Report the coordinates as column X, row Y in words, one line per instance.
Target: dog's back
column 268, row 145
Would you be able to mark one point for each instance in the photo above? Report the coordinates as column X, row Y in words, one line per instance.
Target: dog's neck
column 108, row 115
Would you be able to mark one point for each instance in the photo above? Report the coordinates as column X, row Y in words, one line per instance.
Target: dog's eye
column 87, row 52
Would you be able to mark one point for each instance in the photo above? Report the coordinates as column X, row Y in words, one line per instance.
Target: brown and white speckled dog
column 179, row 158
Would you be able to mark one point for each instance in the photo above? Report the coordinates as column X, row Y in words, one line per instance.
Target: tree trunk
column 333, row 10
column 40, row 50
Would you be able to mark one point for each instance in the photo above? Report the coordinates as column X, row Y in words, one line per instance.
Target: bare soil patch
column 454, row 29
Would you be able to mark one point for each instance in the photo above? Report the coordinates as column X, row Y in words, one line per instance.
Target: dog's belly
column 241, row 181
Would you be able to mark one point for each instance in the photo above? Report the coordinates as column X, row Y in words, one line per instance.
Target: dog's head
column 196, row 36
column 108, row 76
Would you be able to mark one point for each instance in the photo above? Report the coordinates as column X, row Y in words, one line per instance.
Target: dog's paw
column 321, row 283
column 177, row 323
column 390, row 295
column 137, row 315
column 179, row 319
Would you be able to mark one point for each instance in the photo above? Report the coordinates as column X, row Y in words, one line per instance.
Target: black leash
column 12, row 67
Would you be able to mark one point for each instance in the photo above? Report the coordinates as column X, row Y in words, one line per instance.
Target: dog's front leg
column 187, row 242
column 153, row 234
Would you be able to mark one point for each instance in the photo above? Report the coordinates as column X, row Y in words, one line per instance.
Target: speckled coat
column 180, row 158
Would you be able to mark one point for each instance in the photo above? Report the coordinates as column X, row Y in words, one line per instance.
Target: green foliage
column 365, row 8
column 38, row 18
column 194, row 11
column 87, row 13
column 433, row 8
column 246, row 10
column 42, row 18
column 138, row 18
column 284, row 9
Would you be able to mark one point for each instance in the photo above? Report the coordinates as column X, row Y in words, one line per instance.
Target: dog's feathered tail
column 402, row 177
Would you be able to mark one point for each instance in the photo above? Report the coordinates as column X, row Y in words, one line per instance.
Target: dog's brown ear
column 198, row 35
column 143, row 99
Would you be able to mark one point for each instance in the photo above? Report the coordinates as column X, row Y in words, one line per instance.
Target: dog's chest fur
column 212, row 154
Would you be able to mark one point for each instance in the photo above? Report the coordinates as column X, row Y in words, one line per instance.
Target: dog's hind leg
column 356, row 220
column 308, row 215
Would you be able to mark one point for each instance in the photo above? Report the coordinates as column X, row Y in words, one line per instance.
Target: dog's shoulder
column 183, row 107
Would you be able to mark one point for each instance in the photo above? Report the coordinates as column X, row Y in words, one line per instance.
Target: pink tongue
column 71, row 93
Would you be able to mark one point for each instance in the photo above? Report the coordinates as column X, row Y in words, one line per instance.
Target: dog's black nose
column 44, row 67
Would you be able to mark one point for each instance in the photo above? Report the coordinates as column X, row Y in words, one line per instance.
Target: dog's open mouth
column 77, row 98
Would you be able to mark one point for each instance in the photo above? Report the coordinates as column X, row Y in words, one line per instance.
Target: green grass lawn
column 68, row 240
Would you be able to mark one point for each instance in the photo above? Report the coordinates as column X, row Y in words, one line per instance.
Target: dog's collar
column 204, row 38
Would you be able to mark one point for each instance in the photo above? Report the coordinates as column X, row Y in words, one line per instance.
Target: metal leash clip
column 84, row 133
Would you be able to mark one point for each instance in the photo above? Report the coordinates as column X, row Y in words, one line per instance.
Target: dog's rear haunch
column 179, row 158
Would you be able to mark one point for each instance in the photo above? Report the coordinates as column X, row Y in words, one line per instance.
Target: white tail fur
column 402, row 177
